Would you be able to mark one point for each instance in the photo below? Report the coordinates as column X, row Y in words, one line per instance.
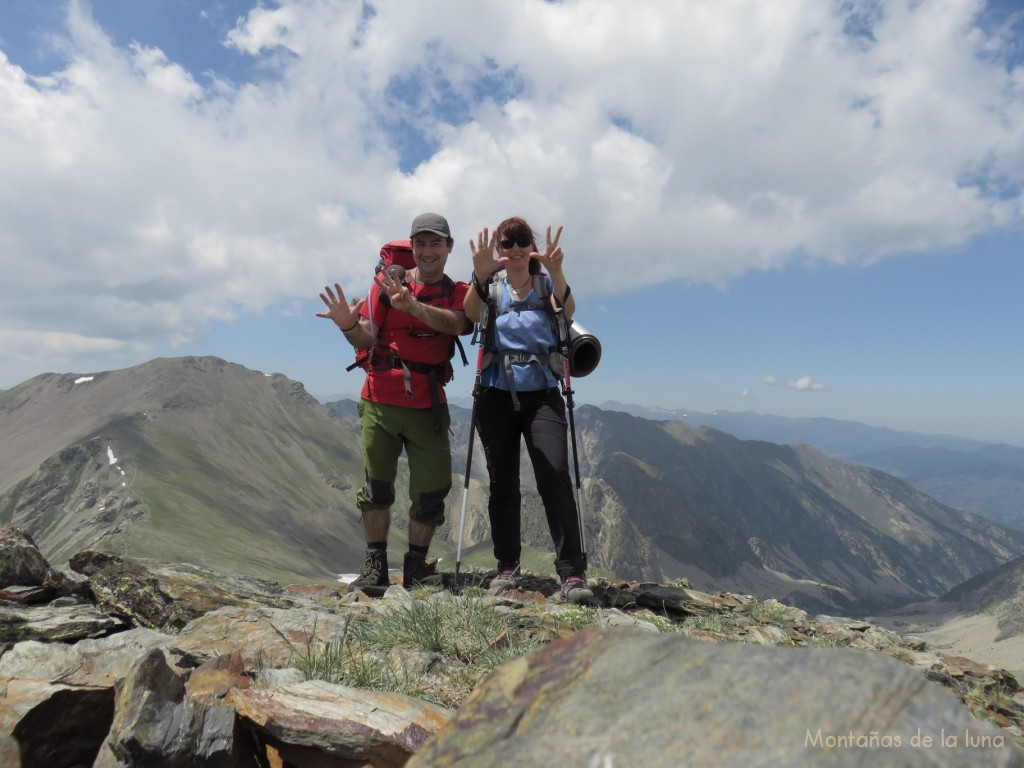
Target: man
column 408, row 347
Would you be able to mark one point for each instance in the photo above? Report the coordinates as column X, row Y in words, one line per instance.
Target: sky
column 802, row 208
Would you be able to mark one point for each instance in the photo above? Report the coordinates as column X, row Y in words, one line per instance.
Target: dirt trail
column 959, row 634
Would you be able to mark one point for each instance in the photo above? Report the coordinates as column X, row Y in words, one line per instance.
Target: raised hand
column 395, row 289
column 552, row 257
column 484, row 263
column 343, row 314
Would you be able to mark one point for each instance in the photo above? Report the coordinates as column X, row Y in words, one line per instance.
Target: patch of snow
column 110, row 455
column 83, row 379
column 348, row 578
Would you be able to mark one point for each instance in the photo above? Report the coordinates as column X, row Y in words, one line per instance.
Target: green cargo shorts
column 386, row 431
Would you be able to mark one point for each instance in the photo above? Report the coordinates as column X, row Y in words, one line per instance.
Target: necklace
column 518, row 291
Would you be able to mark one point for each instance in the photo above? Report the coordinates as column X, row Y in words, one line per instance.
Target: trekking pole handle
column 563, row 348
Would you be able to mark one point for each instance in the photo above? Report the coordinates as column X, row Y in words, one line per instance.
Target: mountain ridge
column 774, row 508
column 985, row 478
column 211, row 459
column 192, row 436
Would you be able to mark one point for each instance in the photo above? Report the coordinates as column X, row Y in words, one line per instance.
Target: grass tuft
column 396, row 649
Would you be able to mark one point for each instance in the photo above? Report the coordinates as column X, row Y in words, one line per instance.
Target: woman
column 519, row 396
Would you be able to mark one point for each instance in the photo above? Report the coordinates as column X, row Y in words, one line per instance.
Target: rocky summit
column 130, row 662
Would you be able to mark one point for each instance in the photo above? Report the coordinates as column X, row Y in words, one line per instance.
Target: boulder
column 308, row 721
column 162, row 719
column 65, row 624
column 21, row 563
column 99, row 662
column 265, row 637
column 125, row 589
column 630, row 698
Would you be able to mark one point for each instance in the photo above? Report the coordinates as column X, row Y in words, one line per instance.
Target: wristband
column 351, row 327
column 565, row 296
column 478, row 288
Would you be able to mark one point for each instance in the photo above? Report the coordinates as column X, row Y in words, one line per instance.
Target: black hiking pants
column 541, row 422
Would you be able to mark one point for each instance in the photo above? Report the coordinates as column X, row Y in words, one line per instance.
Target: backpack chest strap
column 553, row 360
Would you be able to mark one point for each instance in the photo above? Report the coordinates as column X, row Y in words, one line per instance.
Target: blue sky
column 800, row 208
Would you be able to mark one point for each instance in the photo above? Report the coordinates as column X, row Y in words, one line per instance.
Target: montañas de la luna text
column 920, row 740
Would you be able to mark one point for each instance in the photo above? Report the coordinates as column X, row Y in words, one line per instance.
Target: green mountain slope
column 192, row 459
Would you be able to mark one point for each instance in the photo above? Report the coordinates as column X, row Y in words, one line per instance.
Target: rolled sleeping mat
column 584, row 350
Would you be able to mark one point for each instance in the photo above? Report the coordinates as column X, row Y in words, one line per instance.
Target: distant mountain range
column 200, row 460
column 978, row 477
column 842, row 439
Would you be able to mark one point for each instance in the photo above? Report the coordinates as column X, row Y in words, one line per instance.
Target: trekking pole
column 469, row 460
column 567, row 391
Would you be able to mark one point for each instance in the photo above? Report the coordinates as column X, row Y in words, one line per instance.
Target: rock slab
column 631, row 698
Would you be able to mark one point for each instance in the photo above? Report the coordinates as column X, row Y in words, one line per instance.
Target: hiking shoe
column 575, row 590
column 373, row 576
column 417, row 571
column 507, row 575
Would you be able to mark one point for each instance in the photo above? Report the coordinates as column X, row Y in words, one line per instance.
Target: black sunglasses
column 506, row 244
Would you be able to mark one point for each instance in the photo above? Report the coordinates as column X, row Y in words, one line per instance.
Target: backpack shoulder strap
column 541, row 286
column 448, row 289
column 447, row 286
column 494, row 287
column 490, row 308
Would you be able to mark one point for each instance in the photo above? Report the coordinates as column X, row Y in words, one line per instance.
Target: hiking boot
column 507, row 575
column 575, row 590
column 373, row 576
column 418, row 571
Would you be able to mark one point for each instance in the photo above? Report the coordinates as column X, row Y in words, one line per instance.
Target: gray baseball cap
column 430, row 222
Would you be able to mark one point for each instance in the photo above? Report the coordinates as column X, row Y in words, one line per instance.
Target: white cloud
column 768, row 379
column 163, row 76
column 667, row 132
column 268, row 28
column 745, row 392
column 22, row 351
column 806, row 384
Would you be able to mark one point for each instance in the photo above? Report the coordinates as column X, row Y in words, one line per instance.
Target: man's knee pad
column 431, row 507
column 379, row 493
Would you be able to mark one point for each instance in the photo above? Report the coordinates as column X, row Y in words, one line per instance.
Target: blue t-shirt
column 526, row 328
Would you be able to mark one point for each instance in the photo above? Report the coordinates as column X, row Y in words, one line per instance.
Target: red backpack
column 400, row 252
column 396, row 252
